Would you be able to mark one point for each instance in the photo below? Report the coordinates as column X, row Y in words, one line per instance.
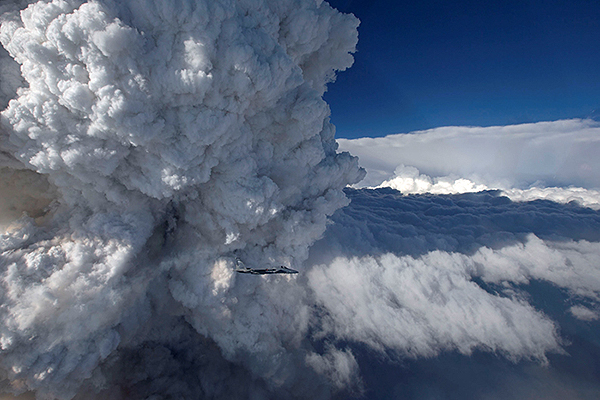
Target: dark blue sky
column 427, row 63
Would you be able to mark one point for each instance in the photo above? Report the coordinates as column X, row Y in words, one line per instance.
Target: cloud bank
column 418, row 277
column 144, row 145
column 472, row 213
column 559, row 153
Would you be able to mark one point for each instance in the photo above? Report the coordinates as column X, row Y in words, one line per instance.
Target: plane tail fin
column 239, row 265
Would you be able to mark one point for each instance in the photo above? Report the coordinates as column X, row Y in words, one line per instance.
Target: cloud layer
column 441, row 279
column 511, row 211
column 559, row 153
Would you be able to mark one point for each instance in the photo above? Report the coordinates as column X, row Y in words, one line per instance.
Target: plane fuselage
column 267, row 271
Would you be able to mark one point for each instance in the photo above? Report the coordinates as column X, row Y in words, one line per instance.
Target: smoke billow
column 144, row 145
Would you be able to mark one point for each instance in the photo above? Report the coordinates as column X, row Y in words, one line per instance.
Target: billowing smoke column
column 149, row 143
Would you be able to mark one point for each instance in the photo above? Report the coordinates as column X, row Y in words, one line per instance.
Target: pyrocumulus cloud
column 147, row 144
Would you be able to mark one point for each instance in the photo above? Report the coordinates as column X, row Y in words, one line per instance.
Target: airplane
column 242, row 269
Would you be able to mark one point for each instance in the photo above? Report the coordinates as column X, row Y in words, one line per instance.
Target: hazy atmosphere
column 447, row 245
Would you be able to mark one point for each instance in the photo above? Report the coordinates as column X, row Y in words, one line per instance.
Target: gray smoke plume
column 146, row 144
